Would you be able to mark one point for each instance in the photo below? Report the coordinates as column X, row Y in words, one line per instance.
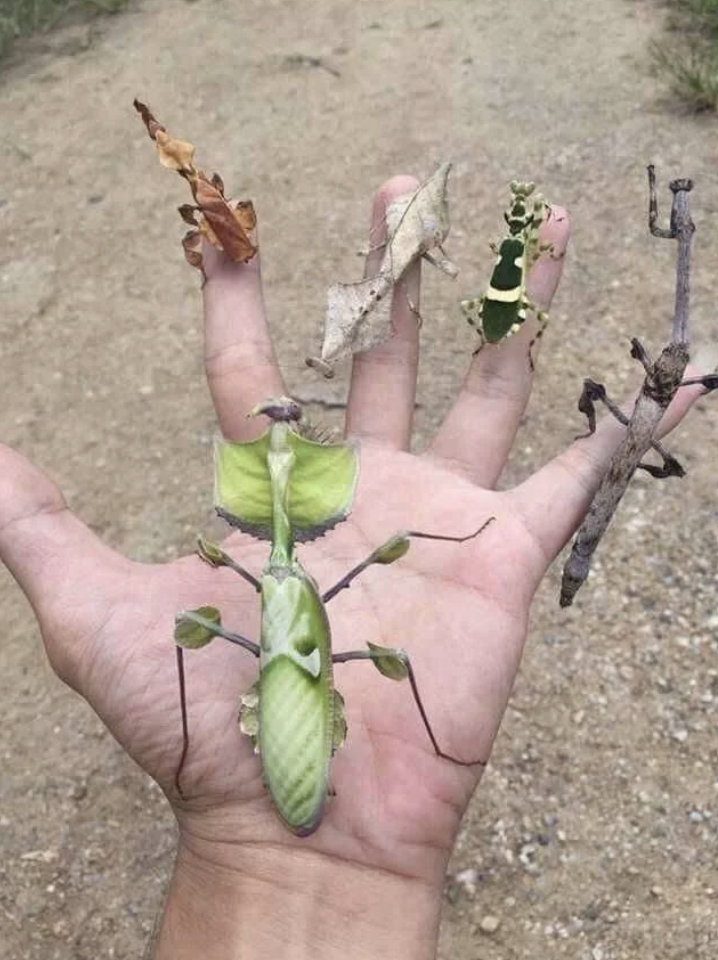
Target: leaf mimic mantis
column 285, row 488
column 501, row 310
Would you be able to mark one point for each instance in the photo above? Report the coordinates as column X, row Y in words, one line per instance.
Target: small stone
column 146, row 390
column 489, row 924
column 78, row 791
column 656, row 891
column 465, row 879
column 39, row 856
column 61, row 929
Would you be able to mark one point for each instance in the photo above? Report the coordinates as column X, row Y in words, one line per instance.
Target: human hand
column 460, row 610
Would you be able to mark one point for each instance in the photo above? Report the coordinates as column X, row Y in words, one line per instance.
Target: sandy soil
column 594, row 834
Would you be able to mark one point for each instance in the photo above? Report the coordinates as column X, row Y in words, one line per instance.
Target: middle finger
column 479, row 431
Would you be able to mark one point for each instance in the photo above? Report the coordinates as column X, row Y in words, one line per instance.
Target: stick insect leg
column 639, row 352
column 595, row 392
column 653, row 208
column 396, row 665
column 709, row 381
column 394, row 548
column 219, row 631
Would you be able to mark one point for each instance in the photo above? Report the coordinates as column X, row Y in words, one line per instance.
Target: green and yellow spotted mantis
column 285, row 488
column 501, row 310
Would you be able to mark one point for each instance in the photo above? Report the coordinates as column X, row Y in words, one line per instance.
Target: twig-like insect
column 501, row 310
column 664, row 376
column 285, row 487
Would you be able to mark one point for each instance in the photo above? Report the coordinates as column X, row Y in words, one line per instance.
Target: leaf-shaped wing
column 227, row 227
column 320, row 489
column 358, row 317
column 416, row 223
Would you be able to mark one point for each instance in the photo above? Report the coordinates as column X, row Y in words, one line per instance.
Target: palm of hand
column 393, row 792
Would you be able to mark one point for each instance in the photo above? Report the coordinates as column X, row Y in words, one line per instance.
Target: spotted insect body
column 501, row 310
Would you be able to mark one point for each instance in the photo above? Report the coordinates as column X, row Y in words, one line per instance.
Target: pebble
column 39, row 856
column 489, row 924
column 61, row 929
column 467, row 879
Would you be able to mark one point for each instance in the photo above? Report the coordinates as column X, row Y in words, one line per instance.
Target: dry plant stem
column 663, row 378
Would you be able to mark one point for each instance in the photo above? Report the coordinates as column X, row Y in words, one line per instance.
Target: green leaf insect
column 285, row 487
column 501, row 310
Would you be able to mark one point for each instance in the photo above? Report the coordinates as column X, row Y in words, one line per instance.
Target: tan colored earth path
column 594, row 832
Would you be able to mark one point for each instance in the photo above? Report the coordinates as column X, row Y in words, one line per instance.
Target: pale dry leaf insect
column 228, row 227
column 358, row 315
column 416, row 224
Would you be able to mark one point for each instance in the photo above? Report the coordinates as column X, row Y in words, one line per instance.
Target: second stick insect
column 501, row 310
column 285, row 487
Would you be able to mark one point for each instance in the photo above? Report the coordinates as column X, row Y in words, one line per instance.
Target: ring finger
column 479, row 430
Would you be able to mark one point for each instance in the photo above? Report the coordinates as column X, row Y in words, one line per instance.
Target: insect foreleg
column 394, row 548
column 213, row 554
column 594, row 392
column 395, row 664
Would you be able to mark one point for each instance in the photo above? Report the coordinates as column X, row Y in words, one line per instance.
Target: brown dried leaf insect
column 358, row 315
column 228, row 227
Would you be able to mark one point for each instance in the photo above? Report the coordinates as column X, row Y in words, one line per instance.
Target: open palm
column 460, row 610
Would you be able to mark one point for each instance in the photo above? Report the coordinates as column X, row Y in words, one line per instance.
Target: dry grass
column 688, row 58
column 22, row 18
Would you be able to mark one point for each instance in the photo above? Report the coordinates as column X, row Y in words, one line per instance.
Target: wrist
column 291, row 902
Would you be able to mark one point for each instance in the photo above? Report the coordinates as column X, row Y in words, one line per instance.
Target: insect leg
column 215, row 556
column 185, row 724
column 394, row 548
column 709, row 381
column 593, row 392
column 542, row 318
column 395, row 664
column 214, row 629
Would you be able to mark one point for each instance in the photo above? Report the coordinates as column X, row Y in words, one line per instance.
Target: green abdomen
column 294, row 742
column 296, row 698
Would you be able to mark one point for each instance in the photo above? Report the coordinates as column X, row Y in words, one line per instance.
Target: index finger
column 239, row 357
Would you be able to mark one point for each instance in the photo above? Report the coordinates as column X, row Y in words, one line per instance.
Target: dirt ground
column 593, row 836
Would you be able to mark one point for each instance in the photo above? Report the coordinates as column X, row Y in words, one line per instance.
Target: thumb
column 69, row 576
